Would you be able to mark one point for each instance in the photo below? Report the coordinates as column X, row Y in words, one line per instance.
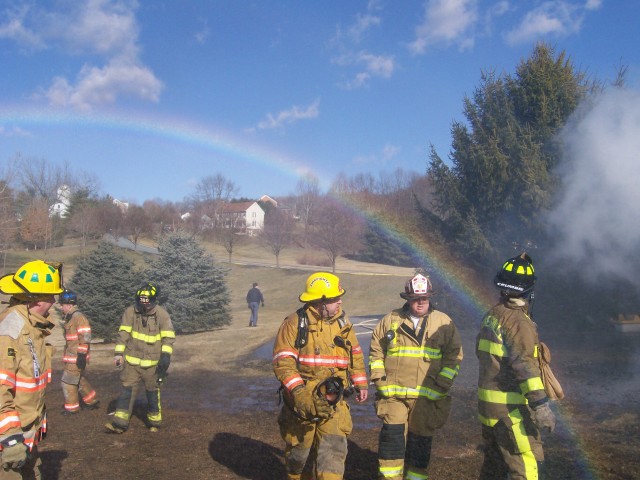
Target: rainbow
column 173, row 128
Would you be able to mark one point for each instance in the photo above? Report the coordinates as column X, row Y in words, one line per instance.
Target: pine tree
column 105, row 282
column 191, row 285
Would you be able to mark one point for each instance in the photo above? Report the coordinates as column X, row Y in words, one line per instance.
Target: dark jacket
column 255, row 295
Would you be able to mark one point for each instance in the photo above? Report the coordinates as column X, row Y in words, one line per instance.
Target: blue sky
column 153, row 95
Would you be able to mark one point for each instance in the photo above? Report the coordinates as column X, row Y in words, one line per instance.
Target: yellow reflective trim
column 139, row 362
column 524, row 446
column 450, row 373
column 419, row 391
column 489, row 422
column 146, row 338
column 532, row 384
column 391, row 471
column 125, row 328
column 120, row 348
column 535, row 351
column 493, row 348
column 167, row 349
column 155, row 418
column 414, row 352
column 503, row 398
column 122, row 415
column 167, row 334
column 376, row 364
column 415, row 476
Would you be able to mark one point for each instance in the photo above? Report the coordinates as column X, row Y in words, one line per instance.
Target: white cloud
column 446, row 21
column 204, row 33
column 597, row 221
column 100, row 86
column 292, row 115
column 14, row 132
column 107, row 28
column 14, row 28
column 388, row 153
column 593, row 4
column 381, row 66
column 553, row 18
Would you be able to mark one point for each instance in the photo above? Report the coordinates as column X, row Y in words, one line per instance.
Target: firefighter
column 513, row 406
column 415, row 356
column 77, row 335
column 319, row 362
column 143, row 352
column 25, row 366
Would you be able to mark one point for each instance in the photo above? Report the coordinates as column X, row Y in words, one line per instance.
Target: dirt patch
column 222, row 425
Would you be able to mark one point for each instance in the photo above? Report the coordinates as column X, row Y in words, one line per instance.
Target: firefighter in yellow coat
column 77, row 335
column 143, row 351
column 25, row 366
column 415, row 356
column 512, row 403
column 319, row 362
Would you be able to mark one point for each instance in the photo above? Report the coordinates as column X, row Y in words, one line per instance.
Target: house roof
column 236, row 207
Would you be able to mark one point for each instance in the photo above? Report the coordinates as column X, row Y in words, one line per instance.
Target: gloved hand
column 118, row 361
column 14, row 456
column 544, row 417
column 163, row 363
column 310, row 406
column 81, row 361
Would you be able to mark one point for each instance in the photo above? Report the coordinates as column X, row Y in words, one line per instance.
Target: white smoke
column 596, row 222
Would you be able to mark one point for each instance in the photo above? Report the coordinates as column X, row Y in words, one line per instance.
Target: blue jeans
column 253, row 319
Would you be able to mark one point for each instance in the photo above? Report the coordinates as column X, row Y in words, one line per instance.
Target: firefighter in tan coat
column 319, row 362
column 415, row 356
column 25, row 366
column 77, row 335
column 512, row 403
column 143, row 352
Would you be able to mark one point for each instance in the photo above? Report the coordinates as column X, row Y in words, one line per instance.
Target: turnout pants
column 130, row 377
column 32, row 470
column 404, row 449
column 512, row 449
column 76, row 387
column 327, row 439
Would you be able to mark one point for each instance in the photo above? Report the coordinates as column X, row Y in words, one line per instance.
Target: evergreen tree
column 501, row 181
column 105, row 282
column 191, row 285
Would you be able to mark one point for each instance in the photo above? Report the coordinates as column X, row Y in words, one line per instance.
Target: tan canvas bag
column 551, row 384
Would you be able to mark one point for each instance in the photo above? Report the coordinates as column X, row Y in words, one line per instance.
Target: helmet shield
column 146, row 297
column 417, row 286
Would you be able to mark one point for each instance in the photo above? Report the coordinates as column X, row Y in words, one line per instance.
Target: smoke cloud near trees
column 596, row 223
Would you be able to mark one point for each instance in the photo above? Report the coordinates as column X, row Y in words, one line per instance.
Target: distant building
column 61, row 207
column 244, row 216
column 123, row 206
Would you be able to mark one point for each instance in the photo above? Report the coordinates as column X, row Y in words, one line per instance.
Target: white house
column 247, row 216
column 61, row 207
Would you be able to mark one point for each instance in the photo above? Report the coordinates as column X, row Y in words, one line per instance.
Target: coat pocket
column 429, row 415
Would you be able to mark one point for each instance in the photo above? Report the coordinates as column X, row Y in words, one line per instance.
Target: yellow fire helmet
column 35, row 278
column 321, row 286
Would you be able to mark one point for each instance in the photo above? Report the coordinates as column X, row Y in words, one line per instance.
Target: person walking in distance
column 143, row 352
column 25, row 366
column 319, row 362
column 254, row 300
column 77, row 334
column 512, row 404
column 415, row 356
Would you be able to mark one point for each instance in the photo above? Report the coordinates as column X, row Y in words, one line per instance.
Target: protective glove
column 544, row 417
column 118, row 361
column 163, row 363
column 310, row 406
column 14, row 456
column 81, row 361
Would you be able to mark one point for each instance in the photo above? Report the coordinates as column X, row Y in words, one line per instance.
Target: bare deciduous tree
column 337, row 230
column 308, row 192
column 278, row 232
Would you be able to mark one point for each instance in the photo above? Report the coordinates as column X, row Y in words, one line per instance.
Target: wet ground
column 222, row 426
